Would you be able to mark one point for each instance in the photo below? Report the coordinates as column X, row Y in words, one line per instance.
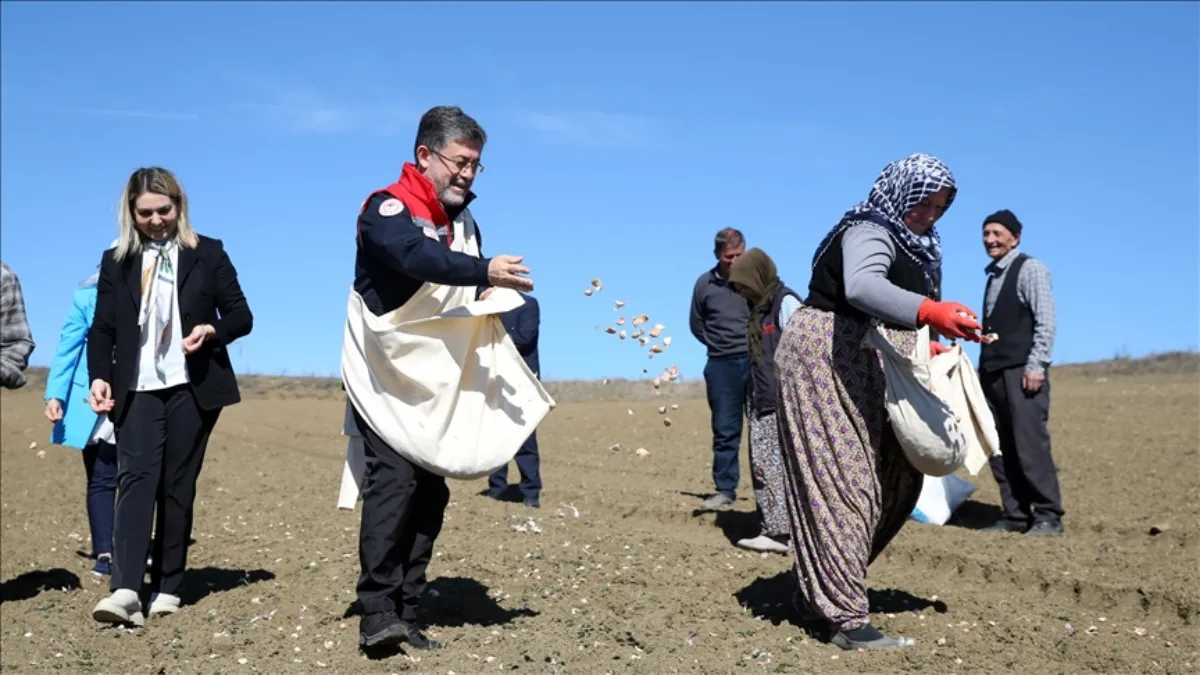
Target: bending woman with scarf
column 850, row 487
column 754, row 276
column 168, row 305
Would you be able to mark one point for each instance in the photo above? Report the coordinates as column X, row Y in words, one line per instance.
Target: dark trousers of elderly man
column 1014, row 373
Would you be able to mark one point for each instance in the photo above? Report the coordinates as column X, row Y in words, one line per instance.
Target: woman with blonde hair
column 850, row 486
column 168, row 304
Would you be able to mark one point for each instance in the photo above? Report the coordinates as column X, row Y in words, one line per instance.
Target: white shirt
column 174, row 363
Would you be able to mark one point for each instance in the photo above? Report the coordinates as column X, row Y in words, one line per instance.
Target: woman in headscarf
column 850, row 487
column 77, row 426
column 754, row 276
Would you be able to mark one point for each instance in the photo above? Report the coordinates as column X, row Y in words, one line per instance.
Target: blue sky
column 622, row 137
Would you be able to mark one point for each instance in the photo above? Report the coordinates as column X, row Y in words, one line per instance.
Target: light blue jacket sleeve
column 69, row 351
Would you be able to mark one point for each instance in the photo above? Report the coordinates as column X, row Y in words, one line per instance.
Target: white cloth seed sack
column 955, row 381
column 925, row 425
column 440, row 380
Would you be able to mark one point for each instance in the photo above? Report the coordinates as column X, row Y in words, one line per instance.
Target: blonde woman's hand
column 101, row 397
column 199, row 334
column 54, row 410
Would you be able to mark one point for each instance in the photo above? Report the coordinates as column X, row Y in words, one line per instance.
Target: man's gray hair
column 445, row 124
column 726, row 238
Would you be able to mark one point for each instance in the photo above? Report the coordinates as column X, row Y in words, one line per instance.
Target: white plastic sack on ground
column 440, row 380
column 924, row 423
column 954, row 379
column 940, row 498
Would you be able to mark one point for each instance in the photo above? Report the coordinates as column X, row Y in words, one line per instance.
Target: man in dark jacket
column 718, row 320
column 522, row 324
column 404, row 241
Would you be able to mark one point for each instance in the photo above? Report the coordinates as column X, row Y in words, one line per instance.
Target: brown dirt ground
column 634, row 582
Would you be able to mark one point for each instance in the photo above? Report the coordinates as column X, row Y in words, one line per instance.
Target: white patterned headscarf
column 901, row 186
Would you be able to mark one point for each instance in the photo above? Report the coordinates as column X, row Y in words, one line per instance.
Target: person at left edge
column 168, row 305
column 405, row 232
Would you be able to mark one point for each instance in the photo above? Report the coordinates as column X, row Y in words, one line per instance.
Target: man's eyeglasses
column 459, row 164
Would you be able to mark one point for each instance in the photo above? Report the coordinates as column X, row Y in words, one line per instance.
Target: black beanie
column 1007, row 219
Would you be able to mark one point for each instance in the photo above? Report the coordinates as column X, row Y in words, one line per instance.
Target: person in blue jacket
column 76, row 426
column 522, row 324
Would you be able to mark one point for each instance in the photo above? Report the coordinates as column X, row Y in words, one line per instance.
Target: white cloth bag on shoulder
column 440, row 380
column 954, row 379
column 925, row 425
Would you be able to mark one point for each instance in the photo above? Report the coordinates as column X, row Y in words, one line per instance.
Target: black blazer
column 207, row 284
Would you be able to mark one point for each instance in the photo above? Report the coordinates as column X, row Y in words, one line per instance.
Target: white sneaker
column 122, row 608
column 765, row 544
column 164, row 603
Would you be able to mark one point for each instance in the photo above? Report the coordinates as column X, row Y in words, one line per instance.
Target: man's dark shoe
column 382, row 629
column 1046, row 528
column 1007, row 525
column 533, row 503
column 418, row 639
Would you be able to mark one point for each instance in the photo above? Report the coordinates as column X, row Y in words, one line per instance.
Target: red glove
column 936, row 348
column 944, row 317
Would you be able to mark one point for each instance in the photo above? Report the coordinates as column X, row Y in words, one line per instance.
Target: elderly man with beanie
column 1018, row 315
column 753, row 276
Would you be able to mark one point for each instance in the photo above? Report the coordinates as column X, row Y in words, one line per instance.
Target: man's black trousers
column 402, row 511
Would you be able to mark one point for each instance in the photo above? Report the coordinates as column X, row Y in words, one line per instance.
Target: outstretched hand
column 951, row 319
column 506, row 271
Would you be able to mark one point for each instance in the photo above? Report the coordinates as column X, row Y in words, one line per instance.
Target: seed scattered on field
column 33, row 445
column 662, row 410
column 41, row 454
column 674, row 406
column 642, row 452
column 614, row 447
column 666, row 421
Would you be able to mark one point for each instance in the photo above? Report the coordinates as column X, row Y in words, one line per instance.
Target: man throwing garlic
column 417, row 257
